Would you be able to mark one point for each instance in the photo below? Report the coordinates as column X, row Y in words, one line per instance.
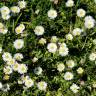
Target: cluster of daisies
column 6, row 12
column 61, row 48
column 12, row 63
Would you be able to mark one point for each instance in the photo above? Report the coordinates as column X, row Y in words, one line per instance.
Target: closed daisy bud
column 6, row 77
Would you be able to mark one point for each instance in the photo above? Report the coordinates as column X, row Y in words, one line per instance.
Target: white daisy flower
column 77, row 31
column 60, row 67
column 52, row 14
column 80, row 70
column 81, row 12
column 18, row 56
column 29, row 83
column 22, row 4
column 4, row 30
column 5, row 10
column 16, row 66
column 42, row 85
column 19, row 29
column 70, row 3
column 92, row 56
column 89, row 22
column 68, row 76
column 75, row 88
column 22, row 69
column 5, row 17
column 42, row 41
column 15, row 9
column 39, row 30
column 52, row 47
column 63, row 50
column 54, row 39
column 19, row 43
column 70, row 63
column 7, row 70
column 11, row 62
column 6, row 56
column 69, row 36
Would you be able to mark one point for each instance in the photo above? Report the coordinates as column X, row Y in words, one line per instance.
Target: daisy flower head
column 6, row 56
column 15, row 9
column 42, row 85
column 52, row 14
column 60, row 67
column 18, row 56
column 22, row 4
column 39, row 30
column 63, row 50
column 5, row 10
column 42, row 41
column 68, row 76
column 29, row 83
column 70, row 3
column 22, row 69
column 92, row 56
column 52, row 47
column 69, row 36
column 8, row 70
column 19, row 43
column 81, row 12
column 70, row 63
column 80, row 70
column 76, row 31
column 54, row 39
column 19, row 29
column 75, row 88
column 89, row 22
column 5, row 17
